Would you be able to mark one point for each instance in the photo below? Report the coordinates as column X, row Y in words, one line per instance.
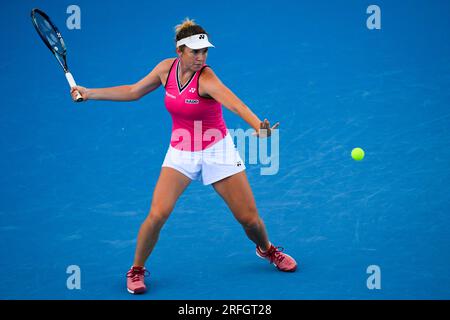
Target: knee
column 159, row 214
column 250, row 219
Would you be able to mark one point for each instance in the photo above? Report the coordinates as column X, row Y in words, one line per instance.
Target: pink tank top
column 197, row 122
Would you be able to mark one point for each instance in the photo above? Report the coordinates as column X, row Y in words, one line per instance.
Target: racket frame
column 61, row 57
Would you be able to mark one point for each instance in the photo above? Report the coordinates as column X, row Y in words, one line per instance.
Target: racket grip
column 72, row 84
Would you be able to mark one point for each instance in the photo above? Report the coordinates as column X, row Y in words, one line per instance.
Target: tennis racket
column 52, row 38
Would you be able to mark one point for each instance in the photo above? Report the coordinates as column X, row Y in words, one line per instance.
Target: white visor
column 197, row 41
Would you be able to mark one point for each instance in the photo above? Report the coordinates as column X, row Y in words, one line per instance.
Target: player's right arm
column 127, row 92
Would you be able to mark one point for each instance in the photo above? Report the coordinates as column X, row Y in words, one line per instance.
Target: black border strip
column 198, row 83
column 170, row 70
column 180, row 90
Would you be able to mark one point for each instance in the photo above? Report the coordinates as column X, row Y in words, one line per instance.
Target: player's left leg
column 237, row 193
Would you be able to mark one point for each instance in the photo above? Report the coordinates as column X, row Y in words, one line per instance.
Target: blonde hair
column 187, row 28
column 185, row 24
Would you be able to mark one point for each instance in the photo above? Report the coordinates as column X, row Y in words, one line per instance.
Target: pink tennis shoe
column 135, row 280
column 275, row 256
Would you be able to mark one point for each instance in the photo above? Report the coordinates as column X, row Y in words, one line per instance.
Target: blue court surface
column 77, row 179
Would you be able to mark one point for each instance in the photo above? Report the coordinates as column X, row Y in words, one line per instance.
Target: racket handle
column 72, row 84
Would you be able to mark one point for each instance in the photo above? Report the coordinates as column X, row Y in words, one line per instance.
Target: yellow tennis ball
column 358, row 154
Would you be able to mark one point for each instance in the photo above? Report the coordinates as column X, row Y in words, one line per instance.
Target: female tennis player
column 201, row 148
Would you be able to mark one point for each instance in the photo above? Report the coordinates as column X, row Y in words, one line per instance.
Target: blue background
column 77, row 179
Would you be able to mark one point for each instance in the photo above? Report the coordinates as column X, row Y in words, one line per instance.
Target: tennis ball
column 357, row 154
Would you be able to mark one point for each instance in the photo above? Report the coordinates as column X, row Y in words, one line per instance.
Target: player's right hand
column 81, row 90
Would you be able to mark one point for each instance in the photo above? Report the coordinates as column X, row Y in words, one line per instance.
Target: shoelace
column 274, row 253
column 135, row 274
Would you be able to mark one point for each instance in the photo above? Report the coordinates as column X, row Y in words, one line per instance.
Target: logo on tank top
column 192, row 90
column 170, row 95
column 191, row 101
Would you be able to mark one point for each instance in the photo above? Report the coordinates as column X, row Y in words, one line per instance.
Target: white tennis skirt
column 215, row 163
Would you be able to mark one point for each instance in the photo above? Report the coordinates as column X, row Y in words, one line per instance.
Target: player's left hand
column 265, row 130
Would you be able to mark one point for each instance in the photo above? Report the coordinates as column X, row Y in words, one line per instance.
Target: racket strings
column 50, row 34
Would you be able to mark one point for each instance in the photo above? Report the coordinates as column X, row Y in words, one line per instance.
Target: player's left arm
column 211, row 85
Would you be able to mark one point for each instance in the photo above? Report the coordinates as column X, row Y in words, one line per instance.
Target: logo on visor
column 202, row 36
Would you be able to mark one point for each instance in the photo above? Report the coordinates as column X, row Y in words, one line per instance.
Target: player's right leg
column 170, row 186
